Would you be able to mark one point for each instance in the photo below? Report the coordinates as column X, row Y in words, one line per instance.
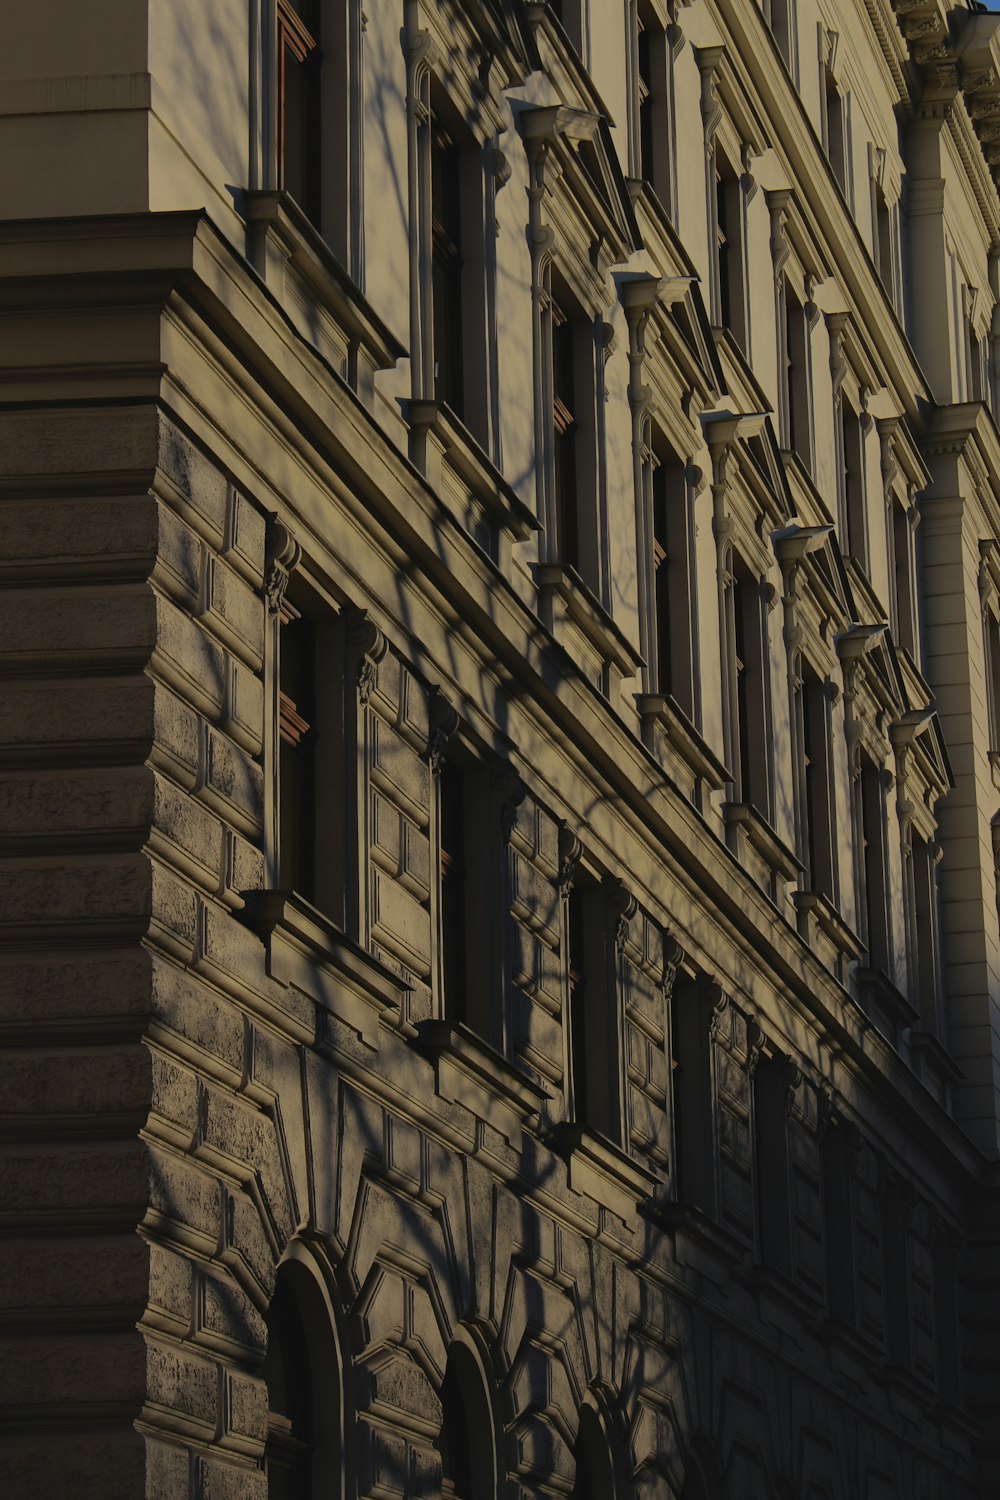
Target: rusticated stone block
column 72, row 806
column 178, row 1380
column 113, row 1080
column 105, row 1271
column 51, row 1368
column 189, row 659
column 222, row 1481
column 175, row 1097
column 64, row 538
column 232, row 782
column 88, row 627
column 246, row 1412
column 103, row 1181
column 244, row 709
column 171, row 1286
column 201, row 484
column 104, row 440
column 183, row 1193
column 228, row 1315
column 106, row 1463
column 200, row 1015
column 168, row 1471
column 179, row 557
column 41, row 989
column 247, row 532
column 247, row 1240
column 233, row 609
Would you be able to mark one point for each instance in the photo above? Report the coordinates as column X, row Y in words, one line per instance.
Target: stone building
column 500, row 535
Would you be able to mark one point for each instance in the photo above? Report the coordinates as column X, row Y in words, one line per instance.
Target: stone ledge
column 603, row 1171
column 468, row 1071
column 304, row 948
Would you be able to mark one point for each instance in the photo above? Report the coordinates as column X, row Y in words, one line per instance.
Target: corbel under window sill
column 887, row 1006
column 469, row 1072
column 935, row 1057
column 304, row 948
column 584, row 628
column 667, row 732
column 281, row 240
column 490, row 510
column 818, row 915
column 603, row 1171
column 745, row 822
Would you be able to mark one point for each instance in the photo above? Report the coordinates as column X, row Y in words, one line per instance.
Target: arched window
column 595, row 1474
column 302, row 1455
column 466, row 1441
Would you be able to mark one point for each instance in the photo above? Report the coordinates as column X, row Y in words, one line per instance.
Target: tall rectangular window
column 655, row 132
column 839, row 1219
column 565, row 427
column 453, row 892
column 883, row 240
column 730, row 310
column 672, row 581
column 925, row 981
column 874, row 867
column 753, row 750
column 446, row 272
column 991, row 632
column 854, row 488
column 904, row 598
column 818, row 854
column 299, row 103
column 836, row 135
column 297, row 755
column 796, row 372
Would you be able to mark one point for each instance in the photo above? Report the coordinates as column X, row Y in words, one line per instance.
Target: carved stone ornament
column 570, row 850
column 510, row 792
column 622, row 907
column 443, row 724
column 282, row 555
column 370, row 645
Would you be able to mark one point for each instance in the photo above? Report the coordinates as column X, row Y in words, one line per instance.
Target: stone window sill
column 475, row 492
column 469, row 1072
column 934, row 1066
column 316, row 293
column 673, row 741
column 304, row 948
column 756, row 845
column 887, row 1006
column 585, row 630
column 826, row 932
column 603, row 1171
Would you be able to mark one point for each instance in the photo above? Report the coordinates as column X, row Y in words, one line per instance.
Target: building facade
column 500, row 533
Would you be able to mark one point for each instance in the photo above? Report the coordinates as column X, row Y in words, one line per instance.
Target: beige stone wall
column 748, row 1241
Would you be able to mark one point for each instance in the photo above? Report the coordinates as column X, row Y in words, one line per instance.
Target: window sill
column 851, row 1353
column 826, row 932
column 469, row 1072
column 756, row 845
column 935, row 1067
column 316, row 293
column 669, row 736
column 603, row 1171
column 887, row 1006
column 304, row 948
column 585, row 630
column 779, row 1286
column 476, row 493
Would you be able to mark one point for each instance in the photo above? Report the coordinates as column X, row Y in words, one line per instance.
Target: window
column 302, row 1372
column 297, row 755
column 904, row 593
column 834, row 116
column 839, row 1150
column 466, row 1442
column 453, row 892
column 896, row 1273
column 309, row 818
column 873, row 867
column 925, row 980
column 730, row 274
column 796, row 379
column 771, row 1085
column 446, row 261
column 818, row 855
column 992, row 633
column 781, row 18
column 884, row 225
column 573, row 374
column 672, row 576
column 595, row 1100
column 852, row 486
column 299, row 103
column 655, row 155
column 751, row 740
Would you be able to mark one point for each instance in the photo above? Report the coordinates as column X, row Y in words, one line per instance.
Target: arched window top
column 467, row 1441
column 595, row 1467
column 302, row 1369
